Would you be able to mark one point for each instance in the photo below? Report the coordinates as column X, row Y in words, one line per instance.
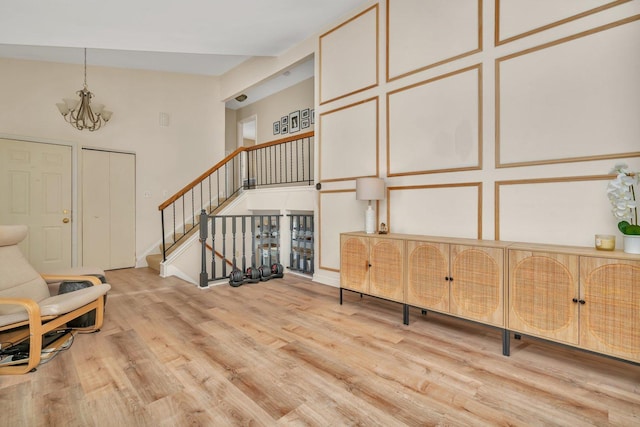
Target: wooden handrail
column 222, row 162
column 281, row 141
column 219, row 255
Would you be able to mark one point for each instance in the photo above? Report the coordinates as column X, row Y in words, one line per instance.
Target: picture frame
column 304, row 114
column 284, row 129
column 276, row 128
column 304, row 123
column 312, row 116
column 294, row 121
column 284, row 121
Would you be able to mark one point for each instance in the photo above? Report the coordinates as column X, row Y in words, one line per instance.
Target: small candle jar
column 605, row 242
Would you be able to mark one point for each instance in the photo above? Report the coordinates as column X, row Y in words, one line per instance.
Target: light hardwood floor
column 284, row 352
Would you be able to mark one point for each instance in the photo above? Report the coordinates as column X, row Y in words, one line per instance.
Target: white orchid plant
column 622, row 195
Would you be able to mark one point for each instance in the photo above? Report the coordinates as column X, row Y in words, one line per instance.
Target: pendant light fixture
column 79, row 112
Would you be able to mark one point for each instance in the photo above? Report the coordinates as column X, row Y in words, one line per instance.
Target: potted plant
column 622, row 195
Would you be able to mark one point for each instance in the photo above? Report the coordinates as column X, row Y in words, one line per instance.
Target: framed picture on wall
column 284, row 129
column 276, row 128
column 304, row 114
column 313, row 116
column 304, row 123
column 294, row 121
column 284, row 121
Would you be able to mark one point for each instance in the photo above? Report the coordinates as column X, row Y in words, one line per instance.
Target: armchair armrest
column 35, row 332
column 55, row 278
column 32, row 308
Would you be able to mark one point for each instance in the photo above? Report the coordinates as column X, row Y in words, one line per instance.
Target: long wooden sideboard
column 577, row 296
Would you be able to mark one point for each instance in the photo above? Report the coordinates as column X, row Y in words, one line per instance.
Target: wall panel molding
column 436, row 125
column 555, row 102
column 565, row 210
column 453, row 210
column 349, row 57
column 349, row 138
column 531, row 11
column 416, row 30
column 338, row 212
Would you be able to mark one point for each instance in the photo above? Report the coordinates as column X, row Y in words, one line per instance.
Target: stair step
column 154, row 261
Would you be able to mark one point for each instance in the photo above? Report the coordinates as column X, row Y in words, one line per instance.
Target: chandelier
column 79, row 112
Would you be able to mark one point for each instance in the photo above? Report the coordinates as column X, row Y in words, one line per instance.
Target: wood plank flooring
column 284, row 352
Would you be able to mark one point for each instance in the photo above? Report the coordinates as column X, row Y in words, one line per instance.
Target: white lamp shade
column 64, row 110
column 71, row 103
column 97, row 108
column 369, row 189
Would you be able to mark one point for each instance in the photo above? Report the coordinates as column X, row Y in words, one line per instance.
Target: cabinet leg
column 405, row 314
column 360, row 295
column 424, row 312
column 340, row 296
column 506, row 342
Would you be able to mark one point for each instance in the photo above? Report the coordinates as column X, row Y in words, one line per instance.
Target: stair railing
column 240, row 242
column 284, row 161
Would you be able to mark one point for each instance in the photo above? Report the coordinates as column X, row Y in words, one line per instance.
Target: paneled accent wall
column 438, row 210
column 556, row 107
column 561, row 204
column 349, row 57
column 446, row 128
column 340, row 207
column 357, row 126
column 518, row 19
column 424, row 34
column 496, row 120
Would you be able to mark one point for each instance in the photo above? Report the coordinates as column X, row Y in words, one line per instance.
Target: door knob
column 65, row 220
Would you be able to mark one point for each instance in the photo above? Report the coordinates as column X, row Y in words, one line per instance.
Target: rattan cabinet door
column 542, row 287
column 476, row 283
column 354, row 263
column 610, row 315
column 386, row 271
column 427, row 271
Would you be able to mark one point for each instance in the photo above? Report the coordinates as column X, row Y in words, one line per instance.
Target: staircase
column 154, row 260
column 287, row 161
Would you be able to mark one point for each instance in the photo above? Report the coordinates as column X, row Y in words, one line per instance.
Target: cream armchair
column 27, row 308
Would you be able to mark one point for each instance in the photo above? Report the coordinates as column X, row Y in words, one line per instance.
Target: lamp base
column 370, row 220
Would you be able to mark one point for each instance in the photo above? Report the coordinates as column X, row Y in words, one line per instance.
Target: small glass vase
column 632, row 244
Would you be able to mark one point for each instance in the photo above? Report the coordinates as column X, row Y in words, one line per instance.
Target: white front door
column 35, row 190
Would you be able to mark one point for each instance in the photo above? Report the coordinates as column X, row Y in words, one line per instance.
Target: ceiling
column 207, row 37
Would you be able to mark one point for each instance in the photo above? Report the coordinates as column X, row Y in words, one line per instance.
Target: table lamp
column 369, row 189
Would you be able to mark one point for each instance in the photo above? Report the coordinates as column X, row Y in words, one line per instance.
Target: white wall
column 274, row 107
column 167, row 158
column 477, row 136
column 486, row 167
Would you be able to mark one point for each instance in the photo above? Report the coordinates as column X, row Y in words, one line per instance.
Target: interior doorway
column 247, row 137
column 247, row 133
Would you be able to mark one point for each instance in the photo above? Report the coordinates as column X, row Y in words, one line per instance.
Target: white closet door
column 108, row 200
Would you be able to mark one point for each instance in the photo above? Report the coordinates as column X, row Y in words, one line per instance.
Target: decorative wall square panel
column 520, row 18
column 349, row 57
column 339, row 212
column 564, row 211
column 422, row 34
column 349, row 141
column 574, row 99
column 439, row 210
column 436, row 125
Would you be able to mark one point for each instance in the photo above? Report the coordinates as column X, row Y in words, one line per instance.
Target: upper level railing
column 284, row 161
